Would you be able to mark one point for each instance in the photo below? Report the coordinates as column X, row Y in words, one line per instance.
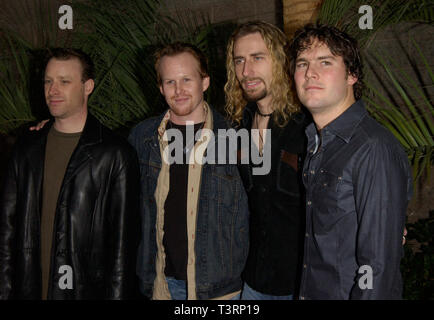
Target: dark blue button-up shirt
column 358, row 184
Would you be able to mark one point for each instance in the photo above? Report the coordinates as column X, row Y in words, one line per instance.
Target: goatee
column 254, row 96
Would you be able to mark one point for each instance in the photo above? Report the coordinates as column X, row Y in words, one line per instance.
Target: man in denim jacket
column 195, row 218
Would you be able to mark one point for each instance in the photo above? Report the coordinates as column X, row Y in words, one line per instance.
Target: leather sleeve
column 8, row 203
column 123, row 201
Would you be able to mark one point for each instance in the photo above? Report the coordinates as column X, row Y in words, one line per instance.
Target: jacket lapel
column 36, row 158
column 92, row 134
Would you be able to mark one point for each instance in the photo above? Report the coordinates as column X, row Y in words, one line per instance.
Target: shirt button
column 305, row 266
column 309, row 203
column 302, row 298
column 307, row 234
column 312, row 171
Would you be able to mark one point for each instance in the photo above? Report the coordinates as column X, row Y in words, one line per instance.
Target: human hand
column 403, row 237
column 39, row 126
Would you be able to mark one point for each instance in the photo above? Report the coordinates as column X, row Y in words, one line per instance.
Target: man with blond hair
column 259, row 99
column 195, row 215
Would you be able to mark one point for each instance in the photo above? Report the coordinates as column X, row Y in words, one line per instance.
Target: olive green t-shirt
column 58, row 151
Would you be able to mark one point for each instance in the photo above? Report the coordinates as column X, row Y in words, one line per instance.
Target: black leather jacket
column 96, row 221
column 276, row 209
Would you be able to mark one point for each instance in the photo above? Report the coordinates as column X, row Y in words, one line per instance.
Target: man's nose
column 53, row 88
column 178, row 87
column 247, row 69
column 311, row 72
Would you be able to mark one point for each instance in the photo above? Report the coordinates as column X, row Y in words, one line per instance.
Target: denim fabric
column 358, row 184
column 251, row 294
column 178, row 290
column 222, row 227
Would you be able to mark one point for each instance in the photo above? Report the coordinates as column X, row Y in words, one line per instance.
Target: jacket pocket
column 287, row 177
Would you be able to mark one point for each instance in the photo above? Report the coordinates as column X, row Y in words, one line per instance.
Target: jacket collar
column 92, row 131
column 92, row 134
column 216, row 119
column 248, row 114
column 209, row 120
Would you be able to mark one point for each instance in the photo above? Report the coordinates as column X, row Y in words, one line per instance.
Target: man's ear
column 161, row 89
column 351, row 79
column 205, row 83
column 89, row 84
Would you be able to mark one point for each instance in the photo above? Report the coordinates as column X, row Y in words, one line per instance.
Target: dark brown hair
column 339, row 43
column 69, row 53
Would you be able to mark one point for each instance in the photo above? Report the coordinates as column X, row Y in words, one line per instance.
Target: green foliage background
column 121, row 37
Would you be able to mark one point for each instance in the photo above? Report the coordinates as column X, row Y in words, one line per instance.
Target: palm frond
column 412, row 124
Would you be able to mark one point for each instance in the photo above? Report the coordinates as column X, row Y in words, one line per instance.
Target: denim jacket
column 222, row 227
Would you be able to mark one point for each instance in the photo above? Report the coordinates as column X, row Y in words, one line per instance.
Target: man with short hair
column 69, row 202
column 259, row 99
column 194, row 210
column 357, row 176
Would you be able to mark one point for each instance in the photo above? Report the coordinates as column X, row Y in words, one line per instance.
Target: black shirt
column 175, row 210
column 276, row 210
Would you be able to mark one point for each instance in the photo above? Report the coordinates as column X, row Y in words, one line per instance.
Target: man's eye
column 65, row 81
column 47, row 81
column 301, row 65
column 186, row 79
column 325, row 63
column 258, row 58
column 238, row 61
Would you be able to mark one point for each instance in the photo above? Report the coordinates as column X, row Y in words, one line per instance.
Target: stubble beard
column 254, row 95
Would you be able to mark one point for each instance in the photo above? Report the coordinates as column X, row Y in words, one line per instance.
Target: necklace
column 261, row 143
column 262, row 114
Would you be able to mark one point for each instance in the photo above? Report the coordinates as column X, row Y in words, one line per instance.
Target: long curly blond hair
column 282, row 92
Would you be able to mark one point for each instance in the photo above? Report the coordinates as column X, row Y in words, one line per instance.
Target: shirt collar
column 343, row 126
column 208, row 121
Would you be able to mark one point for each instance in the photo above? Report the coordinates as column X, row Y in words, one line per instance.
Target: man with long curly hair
column 258, row 96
